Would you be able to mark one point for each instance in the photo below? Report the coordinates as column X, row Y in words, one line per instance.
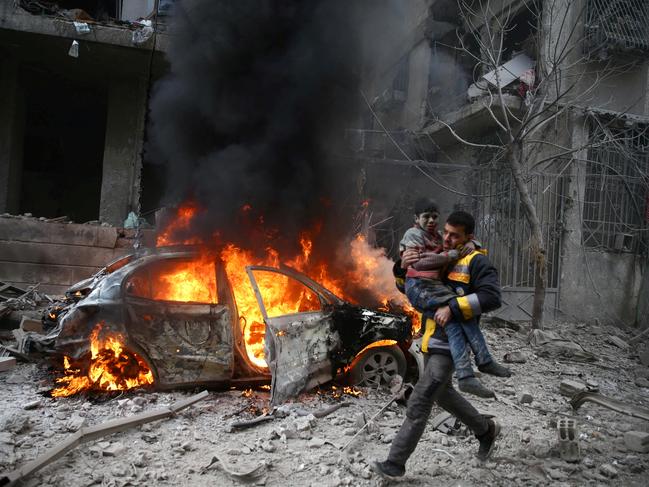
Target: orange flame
column 184, row 215
column 369, row 269
column 193, row 281
column 112, row 368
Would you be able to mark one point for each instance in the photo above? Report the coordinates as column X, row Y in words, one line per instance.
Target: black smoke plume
column 247, row 121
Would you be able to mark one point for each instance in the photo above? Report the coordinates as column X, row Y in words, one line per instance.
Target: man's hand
column 467, row 248
column 409, row 257
column 443, row 315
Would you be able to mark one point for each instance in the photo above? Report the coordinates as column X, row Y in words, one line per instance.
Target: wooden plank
column 48, row 253
column 44, row 273
column 14, row 229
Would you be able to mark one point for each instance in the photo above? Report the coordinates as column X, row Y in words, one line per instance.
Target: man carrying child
column 475, row 282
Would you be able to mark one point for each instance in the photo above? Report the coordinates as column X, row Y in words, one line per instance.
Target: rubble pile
column 544, row 440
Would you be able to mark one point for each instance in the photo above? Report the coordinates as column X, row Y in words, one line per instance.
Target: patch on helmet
column 459, row 291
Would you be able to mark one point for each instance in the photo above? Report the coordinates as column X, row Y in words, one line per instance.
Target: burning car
column 174, row 317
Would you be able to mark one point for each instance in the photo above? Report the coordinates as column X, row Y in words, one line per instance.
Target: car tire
column 376, row 367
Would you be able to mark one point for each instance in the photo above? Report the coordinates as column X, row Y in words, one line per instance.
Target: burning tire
column 377, row 366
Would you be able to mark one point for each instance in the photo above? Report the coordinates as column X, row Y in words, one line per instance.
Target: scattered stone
column 149, row 437
column 637, row 441
column 642, row 382
column 16, row 423
column 515, row 358
column 114, row 449
column 618, row 342
column 525, row 398
column 75, row 423
column 119, row 471
column 608, row 471
column 304, row 423
column 32, row 405
column 571, row 387
column 7, row 363
column 268, row 446
column 316, row 443
column 588, row 462
column 349, row 431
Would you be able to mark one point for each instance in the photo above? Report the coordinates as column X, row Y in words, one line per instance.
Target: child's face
column 427, row 221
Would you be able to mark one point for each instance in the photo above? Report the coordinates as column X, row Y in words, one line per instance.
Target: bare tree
column 561, row 80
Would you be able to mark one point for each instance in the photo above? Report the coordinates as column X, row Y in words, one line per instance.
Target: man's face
column 454, row 236
column 427, row 221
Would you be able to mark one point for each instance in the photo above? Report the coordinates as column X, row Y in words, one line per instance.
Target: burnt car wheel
column 377, row 366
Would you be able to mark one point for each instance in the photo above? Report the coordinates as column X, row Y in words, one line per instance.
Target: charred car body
column 186, row 343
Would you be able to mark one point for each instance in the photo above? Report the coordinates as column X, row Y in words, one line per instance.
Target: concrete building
column 74, row 85
column 438, row 93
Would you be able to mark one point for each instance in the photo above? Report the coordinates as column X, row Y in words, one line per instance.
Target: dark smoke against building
column 246, row 120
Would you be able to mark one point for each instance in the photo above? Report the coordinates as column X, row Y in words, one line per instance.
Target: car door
column 300, row 336
column 185, row 331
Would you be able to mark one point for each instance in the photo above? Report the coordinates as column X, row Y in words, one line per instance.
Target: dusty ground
column 298, row 450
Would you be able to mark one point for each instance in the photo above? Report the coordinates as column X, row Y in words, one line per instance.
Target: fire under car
column 185, row 331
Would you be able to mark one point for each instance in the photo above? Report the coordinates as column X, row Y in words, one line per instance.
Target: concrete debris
column 16, row 423
column 113, row 449
column 75, row 423
column 550, row 344
column 515, row 358
column 176, row 450
column 608, row 471
column 571, row 387
column 618, row 342
column 637, row 441
column 7, row 363
column 525, row 398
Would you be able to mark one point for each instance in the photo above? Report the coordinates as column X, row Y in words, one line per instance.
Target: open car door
column 300, row 335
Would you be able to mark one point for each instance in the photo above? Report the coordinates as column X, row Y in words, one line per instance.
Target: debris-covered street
column 198, row 447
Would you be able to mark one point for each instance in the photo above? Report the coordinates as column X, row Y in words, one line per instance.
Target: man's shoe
column 471, row 385
column 494, row 368
column 488, row 440
column 388, row 469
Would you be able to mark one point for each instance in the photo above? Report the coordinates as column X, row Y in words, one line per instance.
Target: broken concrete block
column 16, row 423
column 30, row 324
column 7, row 363
column 515, row 358
column 618, row 342
column 114, row 449
column 75, row 423
column 525, row 398
column 608, row 471
column 571, row 387
column 637, row 441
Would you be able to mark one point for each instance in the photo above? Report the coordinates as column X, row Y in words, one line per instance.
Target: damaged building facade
column 75, row 79
column 450, row 74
